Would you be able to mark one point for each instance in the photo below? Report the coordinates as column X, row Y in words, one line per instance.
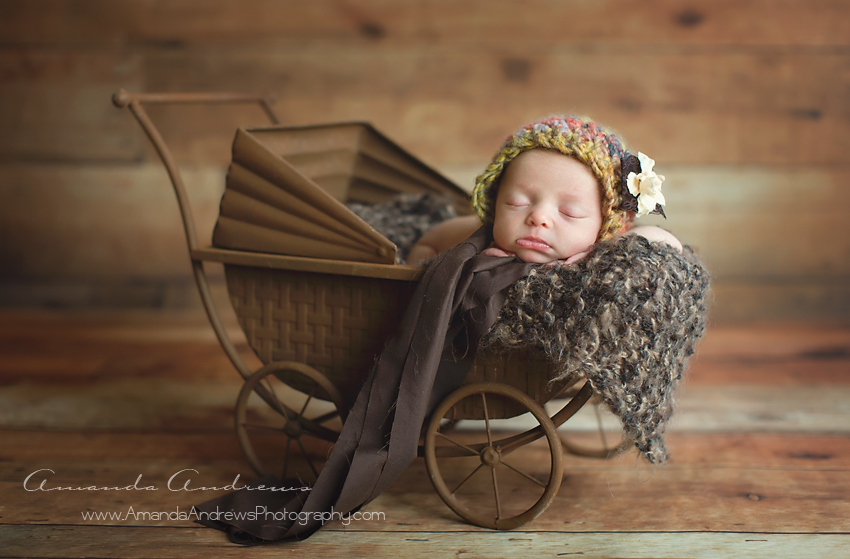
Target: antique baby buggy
column 317, row 291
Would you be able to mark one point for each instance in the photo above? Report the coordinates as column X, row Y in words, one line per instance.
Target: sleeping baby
column 556, row 188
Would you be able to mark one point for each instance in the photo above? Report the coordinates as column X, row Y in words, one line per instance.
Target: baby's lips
column 533, row 243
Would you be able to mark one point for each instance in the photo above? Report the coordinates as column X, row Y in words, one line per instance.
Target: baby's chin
column 535, row 257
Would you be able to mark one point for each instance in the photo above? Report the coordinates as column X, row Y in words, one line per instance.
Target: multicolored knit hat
column 585, row 140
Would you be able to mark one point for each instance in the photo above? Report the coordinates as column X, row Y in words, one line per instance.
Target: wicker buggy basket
column 317, row 292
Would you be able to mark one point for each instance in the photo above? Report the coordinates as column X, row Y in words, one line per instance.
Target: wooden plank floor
column 760, row 468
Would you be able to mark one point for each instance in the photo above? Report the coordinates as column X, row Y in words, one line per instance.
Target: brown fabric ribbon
column 456, row 302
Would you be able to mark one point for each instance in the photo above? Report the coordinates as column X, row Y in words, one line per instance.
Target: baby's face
column 548, row 207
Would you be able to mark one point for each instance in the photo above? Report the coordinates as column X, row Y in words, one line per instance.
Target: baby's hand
column 576, row 257
column 497, row 252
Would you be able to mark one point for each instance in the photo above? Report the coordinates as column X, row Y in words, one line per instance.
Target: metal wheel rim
column 608, row 448
column 250, row 386
column 551, row 435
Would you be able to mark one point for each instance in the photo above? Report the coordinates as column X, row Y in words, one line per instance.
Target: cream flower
column 646, row 186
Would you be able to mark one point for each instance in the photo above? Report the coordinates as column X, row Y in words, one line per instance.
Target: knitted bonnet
column 585, row 140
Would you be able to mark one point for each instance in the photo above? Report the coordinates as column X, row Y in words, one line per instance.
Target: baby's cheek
column 500, row 239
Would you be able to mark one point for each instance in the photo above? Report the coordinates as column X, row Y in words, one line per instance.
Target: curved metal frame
column 134, row 101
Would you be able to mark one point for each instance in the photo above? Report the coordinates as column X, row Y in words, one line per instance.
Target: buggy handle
column 123, row 98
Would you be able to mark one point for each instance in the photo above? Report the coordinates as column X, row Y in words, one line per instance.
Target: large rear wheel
column 287, row 419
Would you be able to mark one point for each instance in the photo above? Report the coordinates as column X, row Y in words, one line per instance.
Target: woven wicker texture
column 526, row 370
column 336, row 324
column 339, row 325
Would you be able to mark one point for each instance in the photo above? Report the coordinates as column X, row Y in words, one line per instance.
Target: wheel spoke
column 280, row 407
column 307, row 456
column 456, row 489
column 487, row 420
column 509, row 444
column 472, row 451
column 286, row 458
column 306, row 403
column 496, row 493
column 265, row 427
column 599, row 426
column 325, row 416
column 525, row 475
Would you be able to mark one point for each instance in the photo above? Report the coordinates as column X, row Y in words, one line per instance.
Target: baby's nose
column 539, row 218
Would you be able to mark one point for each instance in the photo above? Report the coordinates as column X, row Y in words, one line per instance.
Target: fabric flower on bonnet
column 646, row 187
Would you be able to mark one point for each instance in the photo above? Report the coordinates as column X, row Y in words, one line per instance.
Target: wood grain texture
column 446, row 104
column 125, row 219
column 181, row 406
column 760, row 453
column 720, row 486
column 113, row 235
column 270, row 22
column 779, row 451
column 54, row 105
column 683, row 499
column 744, row 104
column 71, row 221
column 176, row 378
column 456, row 106
column 97, row 541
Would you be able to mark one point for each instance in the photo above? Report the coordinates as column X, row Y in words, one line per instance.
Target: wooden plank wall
column 744, row 104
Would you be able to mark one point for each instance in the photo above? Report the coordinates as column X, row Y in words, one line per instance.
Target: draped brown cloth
column 456, row 302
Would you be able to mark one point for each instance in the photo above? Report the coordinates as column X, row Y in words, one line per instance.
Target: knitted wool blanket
column 626, row 318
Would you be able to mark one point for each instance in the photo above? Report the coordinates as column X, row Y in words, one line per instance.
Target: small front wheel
column 472, row 471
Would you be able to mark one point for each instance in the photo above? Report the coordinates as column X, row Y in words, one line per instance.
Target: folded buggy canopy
column 286, row 189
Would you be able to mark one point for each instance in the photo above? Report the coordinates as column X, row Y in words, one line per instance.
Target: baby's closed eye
column 574, row 212
column 517, row 201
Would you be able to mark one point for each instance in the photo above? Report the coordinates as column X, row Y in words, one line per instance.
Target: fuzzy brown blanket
column 626, row 318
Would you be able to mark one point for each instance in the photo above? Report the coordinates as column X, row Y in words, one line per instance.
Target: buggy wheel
column 287, row 419
column 467, row 467
column 605, row 442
